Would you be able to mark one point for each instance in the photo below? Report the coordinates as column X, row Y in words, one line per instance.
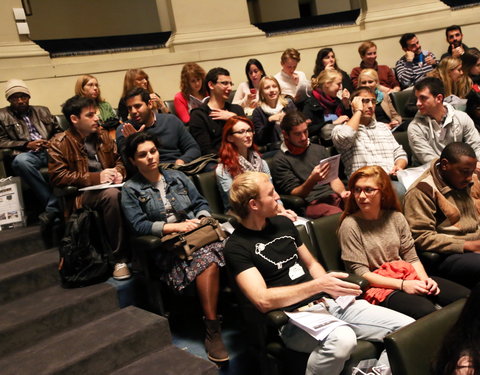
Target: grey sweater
column 367, row 244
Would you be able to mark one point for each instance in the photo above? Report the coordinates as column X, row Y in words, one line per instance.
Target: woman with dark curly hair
column 192, row 91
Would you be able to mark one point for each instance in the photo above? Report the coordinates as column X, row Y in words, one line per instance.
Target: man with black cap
column 26, row 130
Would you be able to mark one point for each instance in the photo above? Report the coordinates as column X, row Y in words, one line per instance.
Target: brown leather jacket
column 14, row 131
column 68, row 160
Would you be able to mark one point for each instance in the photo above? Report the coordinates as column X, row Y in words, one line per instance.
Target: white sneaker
column 121, row 272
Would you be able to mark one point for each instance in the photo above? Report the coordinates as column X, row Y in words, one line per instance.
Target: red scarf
column 329, row 104
column 295, row 150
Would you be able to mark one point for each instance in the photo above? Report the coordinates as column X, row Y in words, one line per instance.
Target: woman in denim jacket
column 158, row 202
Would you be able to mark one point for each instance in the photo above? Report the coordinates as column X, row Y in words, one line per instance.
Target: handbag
column 184, row 244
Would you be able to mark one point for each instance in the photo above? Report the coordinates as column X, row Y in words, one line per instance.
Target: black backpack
column 84, row 251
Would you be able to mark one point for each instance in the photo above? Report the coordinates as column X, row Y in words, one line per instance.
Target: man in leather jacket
column 26, row 130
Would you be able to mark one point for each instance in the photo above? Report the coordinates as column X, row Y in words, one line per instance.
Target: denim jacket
column 144, row 208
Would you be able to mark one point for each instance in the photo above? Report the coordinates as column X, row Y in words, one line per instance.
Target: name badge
column 296, row 271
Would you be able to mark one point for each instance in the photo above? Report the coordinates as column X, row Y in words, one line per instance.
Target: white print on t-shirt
column 260, row 247
column 295, row 271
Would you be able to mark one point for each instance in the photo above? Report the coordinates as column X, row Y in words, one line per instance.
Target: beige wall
column 52, row 80
column 98, row 18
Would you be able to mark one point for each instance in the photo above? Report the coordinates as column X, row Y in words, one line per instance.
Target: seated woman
column 138, row 78
column 326, row 60
column 239, row 154
column 87, row 85
column 386, row 78
column 324, row 107
column 272, row 106
column 157, row 202
column 192, row 91
column 460, row 351
column 377, row 244
column 449, row 70
column 384, row 110
column 471, row 66
column 247, row 92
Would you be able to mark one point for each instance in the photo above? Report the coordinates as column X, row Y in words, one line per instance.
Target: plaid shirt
column 369, row 145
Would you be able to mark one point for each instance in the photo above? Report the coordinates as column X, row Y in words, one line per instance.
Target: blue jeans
column 365, row 321
column 27, row 165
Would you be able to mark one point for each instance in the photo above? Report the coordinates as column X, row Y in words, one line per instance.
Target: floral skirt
column 179, row 273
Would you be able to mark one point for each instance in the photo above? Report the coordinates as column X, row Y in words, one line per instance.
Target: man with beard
column 27, row 129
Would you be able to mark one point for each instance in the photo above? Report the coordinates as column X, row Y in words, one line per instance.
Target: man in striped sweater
column 415, row 63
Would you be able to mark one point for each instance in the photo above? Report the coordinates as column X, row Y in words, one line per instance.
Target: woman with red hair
column 239, row 154
column 377, row 244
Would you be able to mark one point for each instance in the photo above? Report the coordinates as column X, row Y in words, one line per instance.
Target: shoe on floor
column 214, row 345
column 121, row 272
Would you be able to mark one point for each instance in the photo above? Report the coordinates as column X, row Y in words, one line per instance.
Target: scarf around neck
column 329, row 104
column 295, row 150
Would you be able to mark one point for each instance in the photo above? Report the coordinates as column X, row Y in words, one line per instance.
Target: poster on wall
column 11, row 203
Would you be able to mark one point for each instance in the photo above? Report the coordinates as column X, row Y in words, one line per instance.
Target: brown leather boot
column 214, row 345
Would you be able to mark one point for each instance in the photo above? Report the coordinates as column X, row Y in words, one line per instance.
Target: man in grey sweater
column 437, row 124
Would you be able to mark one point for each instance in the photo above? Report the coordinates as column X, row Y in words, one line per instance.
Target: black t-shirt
column 273, row 251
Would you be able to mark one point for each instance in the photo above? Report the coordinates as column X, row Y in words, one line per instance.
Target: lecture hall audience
column 440, row 215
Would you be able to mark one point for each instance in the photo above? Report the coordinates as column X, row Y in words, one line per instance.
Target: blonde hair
column 325, row 76
column 462, row 87
column 261, row 85
column 245, row 186
column 80, row 84
column 372, row 73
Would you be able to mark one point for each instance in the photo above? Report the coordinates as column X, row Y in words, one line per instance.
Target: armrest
column 294, row 203
column 359, row 280
column 277, row 318
column 148, row 243
column 5, row 152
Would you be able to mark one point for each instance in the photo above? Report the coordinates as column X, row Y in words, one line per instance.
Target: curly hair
column 191, row 70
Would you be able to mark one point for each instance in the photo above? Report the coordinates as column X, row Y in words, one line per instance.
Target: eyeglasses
column 226, row 83
column 244, row 131
column 368, row 191
column 369, row 100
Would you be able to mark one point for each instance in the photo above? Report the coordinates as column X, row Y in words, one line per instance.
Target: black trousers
column 416, row 306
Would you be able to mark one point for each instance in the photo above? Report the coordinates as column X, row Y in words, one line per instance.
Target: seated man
column 85, row 155
column 276, row 271
column 293, row 83
column 443, row 217
column 296, row 169
column 437, row 124
column 27, row 130
column 176, row 143
column 454, row 37
column 206, row 122
column 363, row 141
column 415, row 63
